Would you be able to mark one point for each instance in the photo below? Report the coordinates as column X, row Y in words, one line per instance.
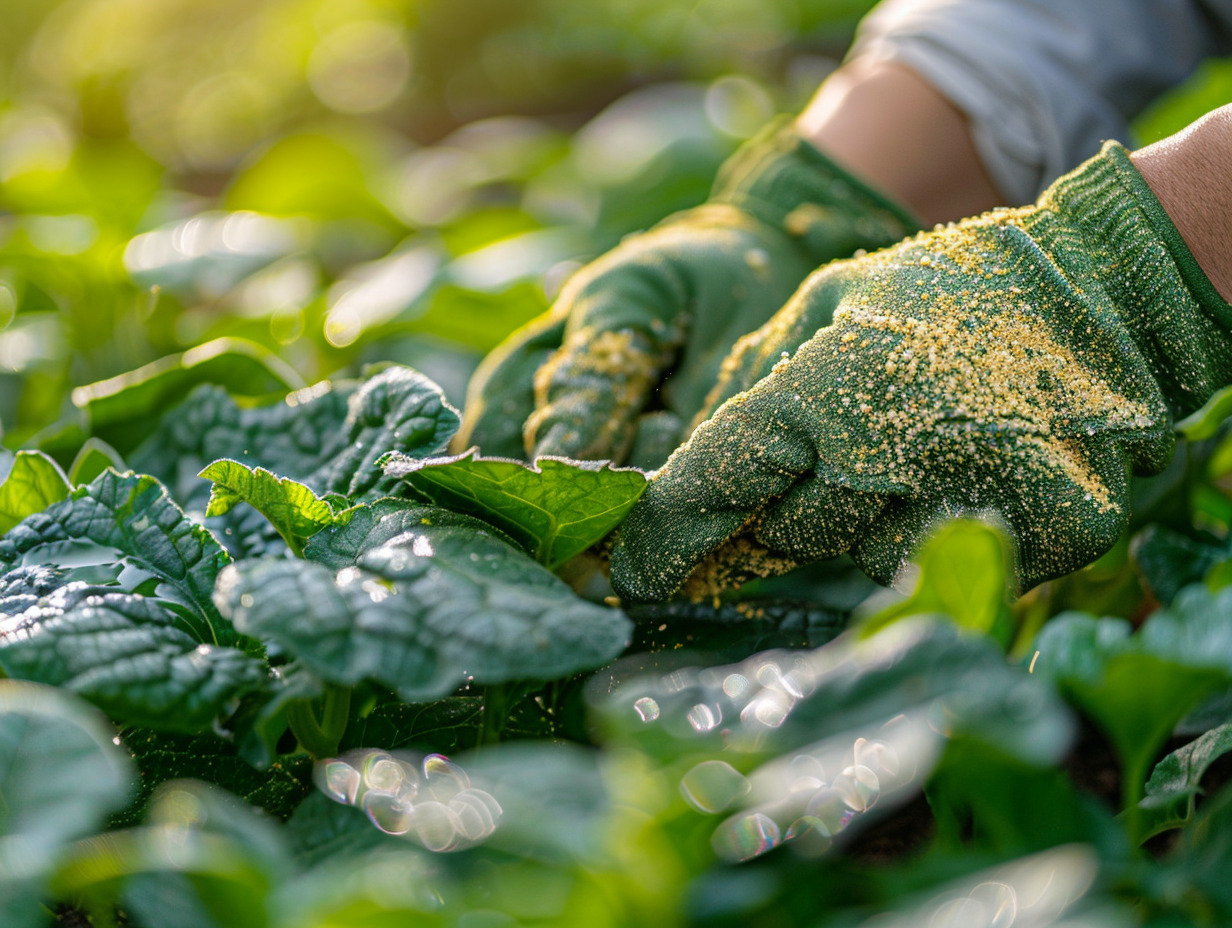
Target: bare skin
column 1191, row 174
column 889, row 127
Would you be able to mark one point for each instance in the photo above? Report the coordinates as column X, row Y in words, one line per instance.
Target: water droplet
column 859, row 788
column 246, row 600
column 829, row 808
column 703, row 718
column 769, row 708
column 338, row 780
column 1000, row 903
column 736, row 685
column 388, row 813
column 443, row 778
column 745, row 837
column 438, row 826
column 647, row 709
column 810, row 835
column 713, row 786
column 477, row 812
column 958, row 913
column 383, row 773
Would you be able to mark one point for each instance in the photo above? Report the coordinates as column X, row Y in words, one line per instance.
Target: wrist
column 1190, row 173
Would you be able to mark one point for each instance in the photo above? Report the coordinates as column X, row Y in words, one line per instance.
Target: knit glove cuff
column 787, row 183
column 1135, row 252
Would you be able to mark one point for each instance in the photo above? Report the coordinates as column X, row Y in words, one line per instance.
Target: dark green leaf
column 121, row 409
column 163, row 756
column 61, row 775
column 136, row 524
column 556, row 508
column 1175, row 783
column 378, row 523
column 439, row 606
column 33, row 483
column 327, row 437
column 292, row 508
column 124, row 654
column 1138, row 688
column 445, row 726
column 1169, row 561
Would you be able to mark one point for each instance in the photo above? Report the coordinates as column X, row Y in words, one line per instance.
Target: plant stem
column 495, row 713
column 320, row 738
column 1133, row 784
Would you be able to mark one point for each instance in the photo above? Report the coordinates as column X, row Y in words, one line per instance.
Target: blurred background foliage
column 347, row 181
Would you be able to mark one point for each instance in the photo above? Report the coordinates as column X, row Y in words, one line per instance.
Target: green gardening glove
column 1019, row 365
column 666, row 306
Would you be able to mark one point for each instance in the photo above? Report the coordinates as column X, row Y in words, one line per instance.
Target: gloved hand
column 577, row 380
column 1019, row 364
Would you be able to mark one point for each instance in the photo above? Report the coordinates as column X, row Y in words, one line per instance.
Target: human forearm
column 1191, row 175
column 890, row 128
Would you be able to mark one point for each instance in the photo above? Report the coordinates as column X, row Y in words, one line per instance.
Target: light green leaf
column 202, row 860
column 964, row 572
column 440, row 605
column 94, row 457
column 292, row 508
column 33, row 483
column 121, row 409
column 124, row 654
column 124, row 521
column 60, row 777
column 556, row 508
column 1205, row 422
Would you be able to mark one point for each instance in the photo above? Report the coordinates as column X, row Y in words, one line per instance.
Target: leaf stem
column 1133, row 785
column 495, row 713
column 321, row 738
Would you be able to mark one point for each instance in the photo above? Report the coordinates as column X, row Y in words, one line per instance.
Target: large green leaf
column 33, row 483
column 328, row 437
column 440, row 605
column 372, row 525
column 1138, row 687
column 60, row 776
column 202, row 860
column 121, row 409
column 129, row 529
column 124, row 654
column 292, row 508
column 555, row 508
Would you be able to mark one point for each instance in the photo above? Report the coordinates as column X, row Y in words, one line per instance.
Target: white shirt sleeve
column 1045, row 82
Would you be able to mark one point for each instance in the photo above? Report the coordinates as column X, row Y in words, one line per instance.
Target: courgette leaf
column 328, row 437
column 60, row 778
column 33, row 483
column 130, row 532
column 1175, row 783
column 555, row 508
column 439, row 606
column 119, row 410
column 125, row 654
column 291, row 507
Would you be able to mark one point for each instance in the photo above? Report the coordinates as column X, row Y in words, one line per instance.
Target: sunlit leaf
column 556, row 508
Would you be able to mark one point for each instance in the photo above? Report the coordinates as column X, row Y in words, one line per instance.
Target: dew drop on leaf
column 713, row 786
column 746, row 836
